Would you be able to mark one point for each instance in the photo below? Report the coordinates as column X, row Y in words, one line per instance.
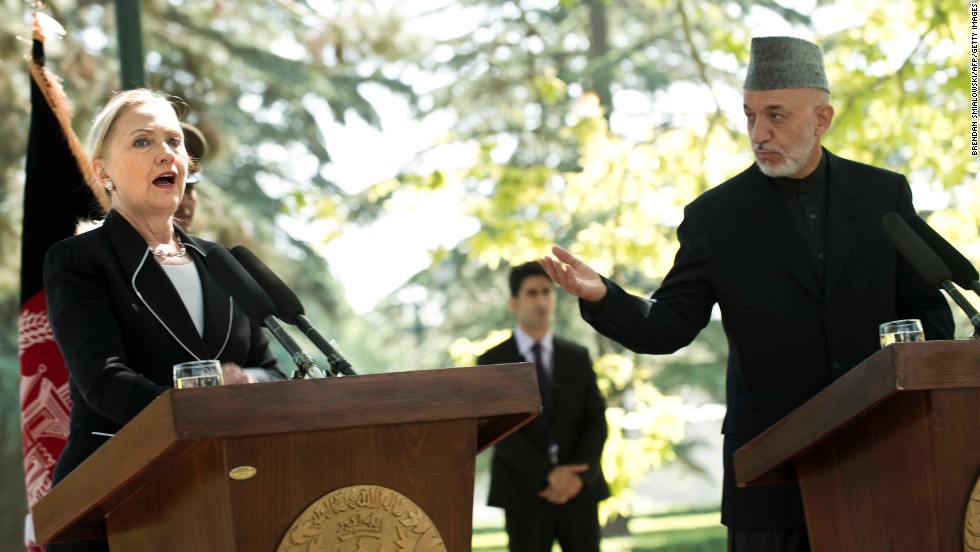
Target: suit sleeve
column 678, row 310
column 261, row 364
column 87, row 331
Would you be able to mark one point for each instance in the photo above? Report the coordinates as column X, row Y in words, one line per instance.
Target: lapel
column 511, row 354
column 218, row 305
column 154, row 289
column 770, row 225
column 559, row 358
column 845, row 217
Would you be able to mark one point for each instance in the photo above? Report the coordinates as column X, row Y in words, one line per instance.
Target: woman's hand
column 233, row 373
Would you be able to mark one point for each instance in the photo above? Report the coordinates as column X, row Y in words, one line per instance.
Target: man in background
column 197, row 147
column 547, row 476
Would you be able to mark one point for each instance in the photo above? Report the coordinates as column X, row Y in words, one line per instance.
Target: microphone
column 236, row 281
column 925, row 261
column 963, row 273
column 289, row 307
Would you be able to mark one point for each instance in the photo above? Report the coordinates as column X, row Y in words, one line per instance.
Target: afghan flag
column 58, row 191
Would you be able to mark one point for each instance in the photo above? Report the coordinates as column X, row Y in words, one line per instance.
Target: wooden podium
column 164, row 482
column 887, row 456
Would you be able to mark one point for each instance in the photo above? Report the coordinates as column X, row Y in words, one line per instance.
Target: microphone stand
column 339, row 364
column 960, row 300
column 305, row 367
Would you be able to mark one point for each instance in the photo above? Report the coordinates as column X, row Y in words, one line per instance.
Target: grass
column 687, row 531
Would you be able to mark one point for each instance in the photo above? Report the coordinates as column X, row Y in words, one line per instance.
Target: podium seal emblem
column 362, row 518
column 971, row 525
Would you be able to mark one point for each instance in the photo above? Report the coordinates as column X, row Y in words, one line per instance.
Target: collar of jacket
column 157, row 294
column 846, row 215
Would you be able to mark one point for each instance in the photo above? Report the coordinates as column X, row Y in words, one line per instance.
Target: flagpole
column 58, row 191
column 130, row 37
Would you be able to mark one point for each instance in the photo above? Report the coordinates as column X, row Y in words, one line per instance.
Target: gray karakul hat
column 785, row 62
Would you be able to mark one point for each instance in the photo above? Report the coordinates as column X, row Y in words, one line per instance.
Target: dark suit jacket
column 121, row 327
column 788, row 337
column 521, row 464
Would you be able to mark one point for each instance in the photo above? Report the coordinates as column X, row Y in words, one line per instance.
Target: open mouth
column 165, row 180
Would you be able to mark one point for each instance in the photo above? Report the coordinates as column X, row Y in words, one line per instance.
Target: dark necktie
column 544, row 385
column 544, row 381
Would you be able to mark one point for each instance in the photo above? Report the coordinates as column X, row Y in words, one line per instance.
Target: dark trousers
column 574, row 525
column 793, row 539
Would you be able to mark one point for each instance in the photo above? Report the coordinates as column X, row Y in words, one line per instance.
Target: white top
column 188, row 285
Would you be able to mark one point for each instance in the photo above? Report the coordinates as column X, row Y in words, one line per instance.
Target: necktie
column 544, row 381
column 544, row 385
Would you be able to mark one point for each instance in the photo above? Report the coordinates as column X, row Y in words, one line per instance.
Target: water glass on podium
column 901, row 331
column 197, row 373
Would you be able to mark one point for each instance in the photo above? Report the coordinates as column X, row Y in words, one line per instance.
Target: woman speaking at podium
column 133, row 297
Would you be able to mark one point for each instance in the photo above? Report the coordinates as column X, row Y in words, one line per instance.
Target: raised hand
column 574, row 276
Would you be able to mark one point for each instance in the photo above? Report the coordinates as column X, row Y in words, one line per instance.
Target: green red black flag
column 57, row 193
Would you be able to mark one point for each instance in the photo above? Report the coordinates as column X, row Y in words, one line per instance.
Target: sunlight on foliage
column 591, row 140
column 641, row 434
column 464, row 351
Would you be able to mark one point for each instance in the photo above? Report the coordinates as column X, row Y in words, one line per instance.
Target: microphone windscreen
column 236, row 281
column 963, row 271
column 287, row 303
column 923, row 259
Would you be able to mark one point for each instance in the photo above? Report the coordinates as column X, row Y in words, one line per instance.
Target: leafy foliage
column 588, row 123
column 545, row 96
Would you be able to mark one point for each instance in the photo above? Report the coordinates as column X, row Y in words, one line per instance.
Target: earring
column 110, row 187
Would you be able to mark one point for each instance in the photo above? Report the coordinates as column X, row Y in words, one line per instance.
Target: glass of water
column 197, row 373
column 901, row 331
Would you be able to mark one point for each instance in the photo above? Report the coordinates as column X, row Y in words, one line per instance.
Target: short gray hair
column 105, row 122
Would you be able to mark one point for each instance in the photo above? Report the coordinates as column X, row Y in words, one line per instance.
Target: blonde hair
column 104, row 123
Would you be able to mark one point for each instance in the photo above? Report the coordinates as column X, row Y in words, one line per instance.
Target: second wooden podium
column 887, row 457
column 232, row 468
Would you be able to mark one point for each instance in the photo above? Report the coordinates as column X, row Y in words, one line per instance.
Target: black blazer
column 121, row 327
column 788, row 336
column 521, row 464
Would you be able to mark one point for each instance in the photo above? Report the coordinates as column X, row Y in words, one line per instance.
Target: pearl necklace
column 179, row 252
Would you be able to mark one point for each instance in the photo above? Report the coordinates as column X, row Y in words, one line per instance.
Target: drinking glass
column 901, row 331
column 197, row 373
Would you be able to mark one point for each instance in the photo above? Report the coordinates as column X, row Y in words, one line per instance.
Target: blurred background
column 391, row 158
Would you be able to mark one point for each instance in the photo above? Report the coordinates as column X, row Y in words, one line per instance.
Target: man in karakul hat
column 197, row 146
column 792, row 252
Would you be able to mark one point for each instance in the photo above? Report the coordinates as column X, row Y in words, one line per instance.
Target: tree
column 589, row 122
column 543, row 95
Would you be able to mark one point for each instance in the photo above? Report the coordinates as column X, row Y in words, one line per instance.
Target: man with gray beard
column 792, row 253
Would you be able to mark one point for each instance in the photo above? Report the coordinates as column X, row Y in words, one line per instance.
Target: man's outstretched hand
column 574, row 276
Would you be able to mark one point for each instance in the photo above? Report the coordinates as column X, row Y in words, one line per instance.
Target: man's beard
column 794, row 157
